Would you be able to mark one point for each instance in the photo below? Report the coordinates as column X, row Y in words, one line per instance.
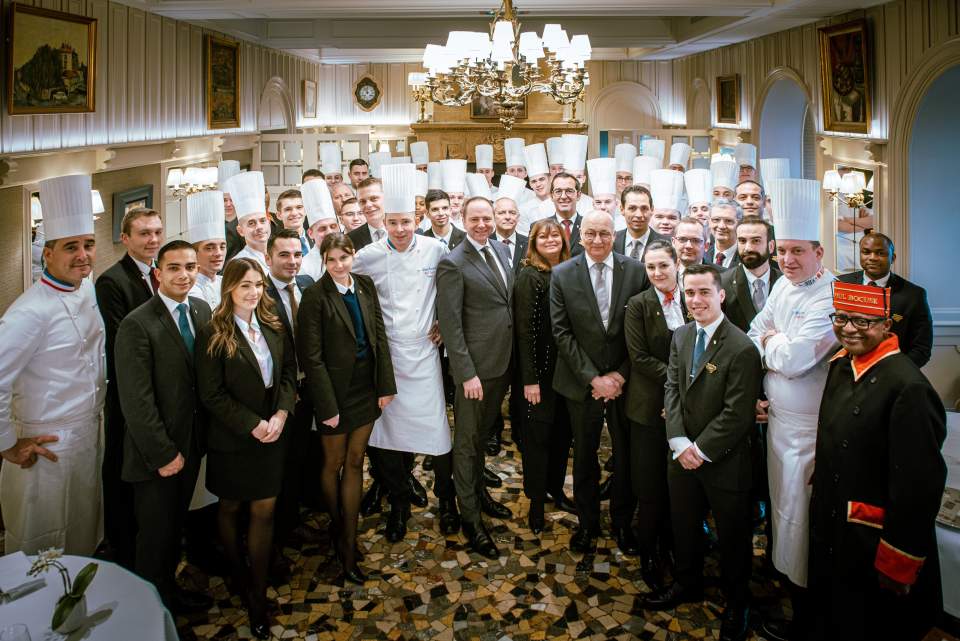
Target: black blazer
column 717, row 407
column 303, row 281
column 585, row 349
column 158, row 389
column 708, row 257
column 620, row 241
column 519, row 252
column 738, row 300
column 232, row 390
column 235, row 242
column 536, row 350
column 327, row 343
column 575, row 247
column 648, row 344
column 360, row 237
column 912, row 321
column 456, row 236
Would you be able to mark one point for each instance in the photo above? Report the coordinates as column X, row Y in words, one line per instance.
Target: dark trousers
column 161, row 507
column 119, row 519
column 690, row 497
column 586, row 420
column 545, row 451
column 394, row 468
column 474, row 420
column 649, row 453
column 302, row 451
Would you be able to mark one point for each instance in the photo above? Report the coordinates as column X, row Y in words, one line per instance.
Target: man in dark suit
column 164, row 421
column 748, row 284
column 912, row 322
column 475, row 310
column 129, row 283
column 690, row 239
column 506, row 215
column 588, row 295
column 370, row 196
column 713, row 379
column 637, row 206
column 565, row 193
column 438, row 211
column 724, row 216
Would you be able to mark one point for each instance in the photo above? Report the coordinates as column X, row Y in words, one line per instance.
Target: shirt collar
column 172, row 304
column 608, row 261
column 143, row 267
column 245, row 326
column 881, row 282
column 643, row 239
column 765, row 279
column 279, row 284
column 476, row 245
column 56, row 283
column 676, row 294
column 341, row 288
column 811, row 280
column 413, row 243
column 711, row 329
column 512, row 238
column 862, row 364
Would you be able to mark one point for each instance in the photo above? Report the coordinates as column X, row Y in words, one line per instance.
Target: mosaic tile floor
column 431, row 587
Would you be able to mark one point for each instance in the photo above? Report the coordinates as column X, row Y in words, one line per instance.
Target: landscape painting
column 51, row 64
column 223, row 83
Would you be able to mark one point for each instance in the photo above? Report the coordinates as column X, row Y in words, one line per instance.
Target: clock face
column 367, row 94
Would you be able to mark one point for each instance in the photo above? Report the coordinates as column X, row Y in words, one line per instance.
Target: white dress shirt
column 765, row 279
column 679, row 444
column 284, row 296
column 672, row 312
column 511, row 246
column 631, row 241
column 881, row 282
column 175, row 313
column 145, row 272
column 728, row 255
column 445, row 239
column 259, row 346
column 344, row 289
column 607, row 281
column 496, row 259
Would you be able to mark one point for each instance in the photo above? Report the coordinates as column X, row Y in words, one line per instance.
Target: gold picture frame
column 845, row 77
column 223, row 83
column 51, row 62
column 728, row 99
column 483, row 108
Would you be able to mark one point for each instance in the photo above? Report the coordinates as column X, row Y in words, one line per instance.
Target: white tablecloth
column 120, row 605
column 948, row 539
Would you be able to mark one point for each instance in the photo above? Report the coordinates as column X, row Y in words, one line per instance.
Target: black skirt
column 360, row 407
column 251, row 473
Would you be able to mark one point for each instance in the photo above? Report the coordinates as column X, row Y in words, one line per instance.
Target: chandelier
column 504, row 66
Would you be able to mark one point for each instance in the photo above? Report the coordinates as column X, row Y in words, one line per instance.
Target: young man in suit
column 748, row 284
column 724, row 216
column 564, row 195
column 637, row 207
column 164, row 421
column 912, row 322
column 129, row 283
column 690, row 239
column 438, row 211
column 370, row 195
column 713, row 379
column 474, row 306
column 588, row 295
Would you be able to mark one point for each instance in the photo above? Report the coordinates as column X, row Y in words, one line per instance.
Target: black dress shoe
column 493, row 446
column 355, row 575
column 776, row 630
column 583, row 541
column 535, row 517
column 490, row 478
column 561, row 502
column 418, row 495
column 652, row 573
column 372, row 502
column 733, row 627
column 427, row 464
column 606, row 488
column 449, row 517
column 397, row 524
column 669, row 598
column 480, row 542
column 492, row 508
column 627, row 541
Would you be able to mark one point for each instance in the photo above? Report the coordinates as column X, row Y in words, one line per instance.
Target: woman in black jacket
column 344, row 354
column 247, row 375
column 546, row 430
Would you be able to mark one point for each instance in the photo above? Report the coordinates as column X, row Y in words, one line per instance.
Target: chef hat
column 643, row 166
column 454, row 175
column 205, row 218
column 654, row 148
column 625, row 153
column 699, row 184
column 484, row 154
column 400, row 160
column 535, row 159
column 574, row 152
column 745, row 154
column 863, row 299
column 513, row 152
column 420, row 152
column 796, row 208
column 717, row 157
column 399, row 188
column 555, row 150
column 317, row 202
column 679, row 154
column 68, row 208
column 226, row 170
column 666, row 188
column 774, row 169
column 247, row 190
column 725, row 174
column 477, row 186
column 511, row 187
column 423, row 182
column 376, row 161
column 603, row 175
column 331, row 161
column 434, row 175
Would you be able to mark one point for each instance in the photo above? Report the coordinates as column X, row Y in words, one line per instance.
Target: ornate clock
column 367, row 93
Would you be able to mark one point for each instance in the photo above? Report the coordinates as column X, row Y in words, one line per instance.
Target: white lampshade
column 174, row 177
column 581, row 44
column 193, row 176
column 416, row 78
column 870, row 184
column 554, row 37
column 210, row 175
column 853, row 182
column 480, row 46
column 503, row 31
column 433, row 57
column 97, row 201
column 502, row 51
column 458, row 43
column 531, row 47
column 831, row 180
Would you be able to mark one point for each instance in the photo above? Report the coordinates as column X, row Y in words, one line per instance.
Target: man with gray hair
column 724, row 216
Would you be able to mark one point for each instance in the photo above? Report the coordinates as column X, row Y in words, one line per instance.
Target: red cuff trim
column 865, row 514
column 897, row 564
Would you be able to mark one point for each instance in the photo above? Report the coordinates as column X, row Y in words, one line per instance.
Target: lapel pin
column 897, row 317
column 710, row 367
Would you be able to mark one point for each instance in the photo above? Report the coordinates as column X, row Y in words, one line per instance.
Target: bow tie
column 668, row 298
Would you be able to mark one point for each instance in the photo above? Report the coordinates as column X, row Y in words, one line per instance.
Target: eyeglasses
column 564, row 192
column 841, row 320
column 592, row 235
column 686, row 240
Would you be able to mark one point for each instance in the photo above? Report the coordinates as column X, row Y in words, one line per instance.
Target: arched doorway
column 625, row 107
column 783, row 121
column 698, row 111
column 276, row 112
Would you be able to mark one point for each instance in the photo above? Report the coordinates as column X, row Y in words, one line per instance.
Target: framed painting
column 51, row 62
column 845, row 77
column 223, row 83
column 483, row 108
column 124, row 201
column 728, row 99
column 309, row 99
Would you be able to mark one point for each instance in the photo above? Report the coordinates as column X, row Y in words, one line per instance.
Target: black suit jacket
column 327, row 343
column 303, row 281
column 620, row 241
column 912, row 321
column 158, row 389
column 361, row 237
column 575, row 247
column 456, row 237
column 716, row 408
column 708, row 257
column 232, row 389
column 235, row 242
column 519, row 252
column 584, row 348
column 738, row 300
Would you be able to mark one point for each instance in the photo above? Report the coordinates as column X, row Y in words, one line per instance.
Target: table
column 948, row 539
column 120, row 605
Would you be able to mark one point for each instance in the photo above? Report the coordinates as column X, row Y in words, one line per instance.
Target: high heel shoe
column 257, row 613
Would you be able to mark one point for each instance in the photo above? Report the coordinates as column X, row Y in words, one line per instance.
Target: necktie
column 506, row 241
column 184, row 324
column 759, row 295
column 378, row 234
column 492, row 264
column 635, row 251
column 667, row 299
column 698, row 351
column 603, row 297
column 304, row 246
column 154, row 281
column 872, row 283
column 293, row 304
column 444, row 241
column 566, row 228
column 719, row 259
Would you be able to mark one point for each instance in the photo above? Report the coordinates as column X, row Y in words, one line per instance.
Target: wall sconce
column 97, row 204
column 846, row 189
column 190, row 180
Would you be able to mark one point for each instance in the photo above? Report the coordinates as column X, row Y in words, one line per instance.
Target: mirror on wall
column 850, row 190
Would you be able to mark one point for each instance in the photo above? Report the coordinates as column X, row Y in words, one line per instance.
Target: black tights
column 341, row 482
column 259, row 541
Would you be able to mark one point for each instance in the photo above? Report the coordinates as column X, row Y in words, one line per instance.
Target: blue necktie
column 698, row 351
column 304, row 246
column 184, row 325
